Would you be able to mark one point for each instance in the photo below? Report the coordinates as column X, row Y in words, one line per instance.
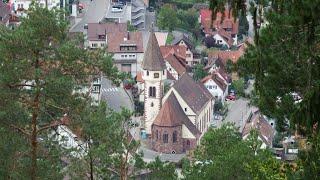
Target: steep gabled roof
column 228, row 21
column 193, row 93
column 183, row 37
column 175, row 63
column 171, row 115
column 226, row 36
column 153, row 60
column 215, row 77
column 258, row 122
column 179, row 51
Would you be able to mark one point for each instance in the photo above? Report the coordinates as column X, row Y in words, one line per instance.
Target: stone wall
column 157, row 143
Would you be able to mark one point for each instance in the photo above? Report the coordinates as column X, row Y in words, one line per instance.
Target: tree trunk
column 91, row 164
column 34, row 141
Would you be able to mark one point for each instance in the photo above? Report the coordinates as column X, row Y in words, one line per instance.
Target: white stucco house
column 266, row 132
column 216, row 85
column 22, row 6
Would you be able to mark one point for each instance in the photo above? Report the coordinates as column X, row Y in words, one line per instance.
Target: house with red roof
column 224, row 28
column 126, row 47
column 266, row 132
column 217, row 85
column 175, row 59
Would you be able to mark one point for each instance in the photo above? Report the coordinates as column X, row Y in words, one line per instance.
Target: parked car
column 231, row 97
column 116, row 9
column 151, row 9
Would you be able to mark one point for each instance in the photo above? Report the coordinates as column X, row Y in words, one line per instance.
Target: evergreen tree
column 112, row 151
column 40, row 70
column 243, row 26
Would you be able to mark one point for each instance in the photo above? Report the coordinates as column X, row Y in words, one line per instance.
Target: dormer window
column 128, row 47
column 102, row 36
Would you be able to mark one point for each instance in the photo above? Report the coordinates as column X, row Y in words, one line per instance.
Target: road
column 238, row 113
column 94, row 12
column 150, row 20
column 149, row 155
column 116, row 97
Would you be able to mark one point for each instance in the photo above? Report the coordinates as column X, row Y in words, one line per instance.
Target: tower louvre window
column 152, row 91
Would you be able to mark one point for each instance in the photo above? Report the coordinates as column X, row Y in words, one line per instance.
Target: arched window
column 165, row 138
column 147, row 73
column 174, row 136
column 157, row 135
column 152, row 91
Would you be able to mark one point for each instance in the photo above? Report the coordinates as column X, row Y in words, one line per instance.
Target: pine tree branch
column 51, row 125
column 20, row 85
column 22, row 130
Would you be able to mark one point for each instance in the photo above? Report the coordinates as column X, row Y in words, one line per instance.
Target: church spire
column 153, row 60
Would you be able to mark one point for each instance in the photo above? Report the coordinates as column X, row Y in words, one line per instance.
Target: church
column 175, row 121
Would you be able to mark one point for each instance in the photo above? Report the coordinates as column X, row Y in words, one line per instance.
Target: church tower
column 154, row 74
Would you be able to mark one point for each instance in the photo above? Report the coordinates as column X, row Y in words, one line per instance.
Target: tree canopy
column 41, row 68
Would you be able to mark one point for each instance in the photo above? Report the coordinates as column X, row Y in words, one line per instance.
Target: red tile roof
column 96, row 29
column 227, row 23
column 170, row 76
column 215, row 77
column 125, row 38
column 179, row 51
column 171, row 115
column 225, row 35
column 176, row 64
column 139, row 77
column 225, row 55
column 258, row 122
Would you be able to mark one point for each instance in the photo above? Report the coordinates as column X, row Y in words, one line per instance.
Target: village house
column 266, row 132
column 175, row 122
column 224, row 56
column 127, row 50
column 97, row 34
column 4, row 14
column 126, row 47
column 21, row 6
column 175, row 59
column 192, row 56
column 217, row 85
column 223, row 29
